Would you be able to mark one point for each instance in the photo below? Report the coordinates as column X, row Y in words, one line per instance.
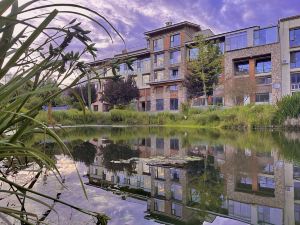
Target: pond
column 156, row 175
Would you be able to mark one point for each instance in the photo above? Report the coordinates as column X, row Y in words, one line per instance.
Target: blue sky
column 133, row 17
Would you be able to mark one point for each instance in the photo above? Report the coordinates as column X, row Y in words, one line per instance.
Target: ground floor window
column 146, row 106
column 159, row 104
column 96, row 108
column 262, row 97
column 217, row 101
column 174, row 104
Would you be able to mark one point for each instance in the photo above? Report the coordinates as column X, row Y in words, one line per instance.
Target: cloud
column 132, row 18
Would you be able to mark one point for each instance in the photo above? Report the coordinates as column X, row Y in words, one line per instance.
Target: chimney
column 124, row 51
column 169, row 23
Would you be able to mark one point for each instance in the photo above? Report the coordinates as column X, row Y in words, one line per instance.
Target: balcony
column 165, row 79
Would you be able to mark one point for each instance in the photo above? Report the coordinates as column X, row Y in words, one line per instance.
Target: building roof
column 290, row 18
column 176, row 25
column 137, row 52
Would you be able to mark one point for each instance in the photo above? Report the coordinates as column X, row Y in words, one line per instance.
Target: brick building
column 267, row 57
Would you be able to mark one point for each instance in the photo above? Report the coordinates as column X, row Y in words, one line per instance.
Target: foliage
column 33, row 52
column 120, row 92
column 204, row 70
column 82, row 90
column 287, row 107
column 238, row 87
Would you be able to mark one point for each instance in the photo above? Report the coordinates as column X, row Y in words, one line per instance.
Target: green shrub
column 287, row 107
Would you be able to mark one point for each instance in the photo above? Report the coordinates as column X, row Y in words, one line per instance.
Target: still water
column 155, row 175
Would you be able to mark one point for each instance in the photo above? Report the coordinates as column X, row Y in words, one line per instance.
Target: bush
column 287, row 107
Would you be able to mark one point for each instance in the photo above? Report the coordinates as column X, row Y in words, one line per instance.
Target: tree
column 120, row 92
column 83, row 92
column 203, row 70
column 239, row 89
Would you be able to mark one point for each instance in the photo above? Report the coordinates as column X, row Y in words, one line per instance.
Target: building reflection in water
column 200, row 182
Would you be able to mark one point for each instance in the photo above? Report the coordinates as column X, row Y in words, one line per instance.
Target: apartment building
column 260, row 65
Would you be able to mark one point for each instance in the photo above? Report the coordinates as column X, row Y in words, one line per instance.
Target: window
column 295, row 60
column 295, row 81
column 195, row 196
column 123, row 69
column 266, row 182
column 295, row 37
column 159, row 60
column 239, row 209
column 177, row 210
column 160, row 173
column 174, row 104
column 159, row 205
column 175, row 57
column 173, row 88
column 158, row 44
column 145, row 65
column 175, row 40
column 145, row 79
column 176, row 192
column 297, row 213
column 193, row 53
column 297, row 190
column 148, row 43
column 160, row 143
column 236, row 41
column 148, row 108
column 175, row 174
column 217, row 100
column 159, row 75
column 241, row 68
column 263, row 65
column 265, row 36
column 96, row 108
column 174, row 143
column 268, row 215
column 264, row 80
column 174, row 74
column 159, row 188
column 221, row 47
column 262, row 97
column 159, row 104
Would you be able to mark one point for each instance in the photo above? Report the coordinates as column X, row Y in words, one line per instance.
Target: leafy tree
column 203, row 70
column 120, row 92
column 83, row 92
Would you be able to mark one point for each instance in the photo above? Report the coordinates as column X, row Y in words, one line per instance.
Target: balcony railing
column 295, row 86
column 165, row 79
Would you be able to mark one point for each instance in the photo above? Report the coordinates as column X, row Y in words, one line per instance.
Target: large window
column 174, row 104
column 176, row 191
column 268, row 215
column 174, row 74
column 174, row 143
column 265, row 36
column 266, row 182
column 159, row 104
column 175, row 57
column 264, row 80
column 241, row 68
column 295, row 60
column 159, row 75
column 295, row 37
column 295, row 81
column 175, row 40
column 173, row 88
column 158, row 60
column 145, row 79
column 193, row 53
column 263, row 65
column 262, row 97
column 159, row 188
column 239, row 209
column 159, row 205
column 159, row 173
column 176, row 209
column 236, row 41
column 158, row 44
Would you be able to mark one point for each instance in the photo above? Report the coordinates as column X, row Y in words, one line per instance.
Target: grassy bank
column 241, row 117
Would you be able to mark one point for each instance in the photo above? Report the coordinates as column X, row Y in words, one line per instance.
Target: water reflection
column 189, row 182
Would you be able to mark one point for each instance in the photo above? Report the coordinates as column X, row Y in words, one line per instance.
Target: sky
column 133, row 17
